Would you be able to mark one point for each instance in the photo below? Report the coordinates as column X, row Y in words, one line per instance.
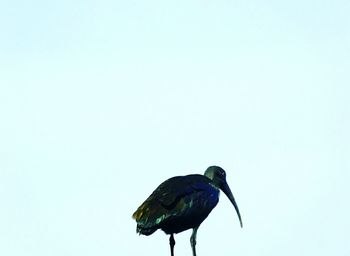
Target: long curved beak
column 226, row 189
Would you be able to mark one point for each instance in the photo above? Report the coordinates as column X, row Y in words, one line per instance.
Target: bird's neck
column 215, row 185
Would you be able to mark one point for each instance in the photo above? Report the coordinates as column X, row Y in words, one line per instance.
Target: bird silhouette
column 181, row 203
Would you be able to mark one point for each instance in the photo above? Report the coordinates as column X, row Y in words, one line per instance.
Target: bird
column 181, row 203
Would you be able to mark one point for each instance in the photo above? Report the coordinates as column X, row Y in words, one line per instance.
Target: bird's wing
column 170, row 198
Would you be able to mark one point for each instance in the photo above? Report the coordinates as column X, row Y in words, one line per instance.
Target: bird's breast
column 192, row 209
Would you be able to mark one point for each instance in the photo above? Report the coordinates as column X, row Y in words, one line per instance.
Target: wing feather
column 172, row 199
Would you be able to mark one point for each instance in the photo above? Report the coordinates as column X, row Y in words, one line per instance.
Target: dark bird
column 181, row 203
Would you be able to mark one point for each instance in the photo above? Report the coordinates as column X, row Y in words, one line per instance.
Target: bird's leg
column 193, row 241
column 172, row 244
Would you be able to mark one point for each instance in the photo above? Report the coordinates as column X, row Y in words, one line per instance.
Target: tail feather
column 147, row 218
column 145, row 231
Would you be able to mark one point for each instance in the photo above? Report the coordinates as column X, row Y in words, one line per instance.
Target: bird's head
column 218, row 176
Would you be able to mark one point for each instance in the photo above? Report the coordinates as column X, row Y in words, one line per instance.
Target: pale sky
column 101, row 101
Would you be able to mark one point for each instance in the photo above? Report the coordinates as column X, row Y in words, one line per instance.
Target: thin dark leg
column 172, row 244
column 193, row 241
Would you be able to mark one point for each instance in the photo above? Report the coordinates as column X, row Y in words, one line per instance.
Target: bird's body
column 178, row 204
column 181, row 203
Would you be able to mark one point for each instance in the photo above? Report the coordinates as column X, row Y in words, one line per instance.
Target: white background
column 100, row 101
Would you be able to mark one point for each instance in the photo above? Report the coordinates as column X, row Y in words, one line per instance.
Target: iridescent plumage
column 181, row 203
